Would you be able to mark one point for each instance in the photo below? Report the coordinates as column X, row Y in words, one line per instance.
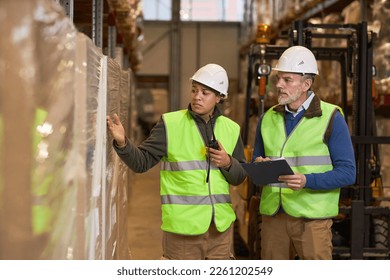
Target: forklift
column 361, row 230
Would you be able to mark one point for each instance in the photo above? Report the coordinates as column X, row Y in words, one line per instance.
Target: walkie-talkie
column 213, row 143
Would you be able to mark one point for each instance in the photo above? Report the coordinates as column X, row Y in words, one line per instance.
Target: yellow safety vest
column 188, row 201
column 306, row 152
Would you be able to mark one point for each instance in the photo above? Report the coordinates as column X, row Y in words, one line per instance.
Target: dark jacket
column 140, row 159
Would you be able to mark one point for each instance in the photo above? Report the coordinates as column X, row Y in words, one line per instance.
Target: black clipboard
column 267, row 172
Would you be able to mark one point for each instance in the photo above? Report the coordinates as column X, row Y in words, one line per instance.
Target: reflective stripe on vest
column 195, row 200
column 185, row 165
column 188, row 202
column 307, row 160
column 306, row 152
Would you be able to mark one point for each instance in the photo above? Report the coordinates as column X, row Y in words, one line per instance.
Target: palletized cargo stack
column 63, row 190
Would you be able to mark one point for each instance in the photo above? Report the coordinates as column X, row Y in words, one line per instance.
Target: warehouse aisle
column 145, row 216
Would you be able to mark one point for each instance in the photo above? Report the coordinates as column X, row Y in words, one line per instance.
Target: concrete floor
column 145, row 216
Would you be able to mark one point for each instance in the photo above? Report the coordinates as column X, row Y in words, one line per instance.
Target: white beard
column 282, row 100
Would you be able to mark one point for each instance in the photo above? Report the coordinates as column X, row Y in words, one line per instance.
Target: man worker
column 313, row 136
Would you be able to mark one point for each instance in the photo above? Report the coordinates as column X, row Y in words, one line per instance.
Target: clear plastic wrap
column 123, row 250
column 59, row 175
column 38, row 117
column 113, row 106
column 95, row 82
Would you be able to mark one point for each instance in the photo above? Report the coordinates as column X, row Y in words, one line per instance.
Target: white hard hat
column 213, row 76
column 297, row 59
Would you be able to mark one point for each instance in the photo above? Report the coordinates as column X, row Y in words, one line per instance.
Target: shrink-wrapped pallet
column 91, row 102
column 123, row 249
column 38, row 161
column 58, row 180
column 112, row 164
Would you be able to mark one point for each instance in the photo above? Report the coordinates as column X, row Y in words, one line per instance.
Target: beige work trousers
column 212, row 245
column 284, row 237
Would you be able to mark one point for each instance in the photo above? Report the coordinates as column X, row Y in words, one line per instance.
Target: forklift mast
column 359, row 209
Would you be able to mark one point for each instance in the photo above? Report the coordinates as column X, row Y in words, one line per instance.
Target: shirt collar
column 217, row 112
